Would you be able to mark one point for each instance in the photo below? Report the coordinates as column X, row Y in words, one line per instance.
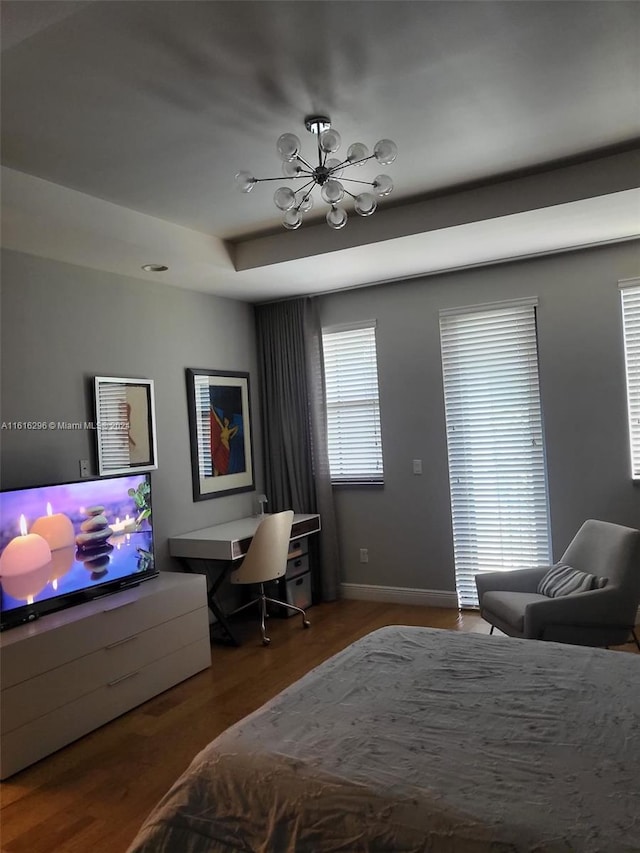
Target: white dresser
column 72, row 671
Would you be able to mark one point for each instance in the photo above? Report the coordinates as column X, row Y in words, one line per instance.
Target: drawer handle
column 122, row 642
column 122, row 678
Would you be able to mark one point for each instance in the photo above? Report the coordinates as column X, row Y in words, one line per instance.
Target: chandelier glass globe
column 382, row 185
column 335, row 167
column 330, row 140
column 336, row 217
column 245, row 181
column 331, row 175
column 290, row 168
column 385, row 151
column 357, row 154
column 284, row 198
column 288, row 146
column 365, row 204
column 332, row 191
column 291, row 220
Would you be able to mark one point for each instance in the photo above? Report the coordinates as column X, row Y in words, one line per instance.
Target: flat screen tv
column 64, row 544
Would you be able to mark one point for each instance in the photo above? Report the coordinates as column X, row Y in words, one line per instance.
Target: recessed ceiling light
column 155, row 268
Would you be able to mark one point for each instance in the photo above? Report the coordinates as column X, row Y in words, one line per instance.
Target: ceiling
column 123, row 124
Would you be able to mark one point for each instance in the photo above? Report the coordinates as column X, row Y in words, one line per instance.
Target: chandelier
column 328, row 175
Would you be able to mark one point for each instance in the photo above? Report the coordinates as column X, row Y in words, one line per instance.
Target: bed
column 419, row 739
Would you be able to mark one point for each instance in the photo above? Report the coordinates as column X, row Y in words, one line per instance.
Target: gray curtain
column 292, row 398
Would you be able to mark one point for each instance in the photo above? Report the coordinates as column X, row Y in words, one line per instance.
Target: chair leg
column 305, row 621
column 491, row 631
column 263, row 612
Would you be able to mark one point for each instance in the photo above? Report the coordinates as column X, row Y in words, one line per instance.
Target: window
column 630, row 292
column 353, row 410
column 495, row 442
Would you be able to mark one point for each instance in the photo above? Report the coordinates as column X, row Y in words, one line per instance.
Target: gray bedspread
column 417, row 739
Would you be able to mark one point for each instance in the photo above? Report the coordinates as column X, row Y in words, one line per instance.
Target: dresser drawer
column 61, row 637
column 41, row 737
column 299, row 546
column 298, row 592
column 42, row 694
column 297, row 566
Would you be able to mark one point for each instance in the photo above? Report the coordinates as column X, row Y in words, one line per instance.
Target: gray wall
column 407, row 525
column 63, row 324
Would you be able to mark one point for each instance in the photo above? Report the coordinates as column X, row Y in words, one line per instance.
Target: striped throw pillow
column 565, row 580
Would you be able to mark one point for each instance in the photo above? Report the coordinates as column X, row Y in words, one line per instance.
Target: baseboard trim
column 399, row 595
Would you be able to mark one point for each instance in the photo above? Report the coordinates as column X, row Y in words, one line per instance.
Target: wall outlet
column 364, row 555
column 417, row 466
column 84, row 468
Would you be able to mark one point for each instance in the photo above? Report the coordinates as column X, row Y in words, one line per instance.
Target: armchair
column 510, row 601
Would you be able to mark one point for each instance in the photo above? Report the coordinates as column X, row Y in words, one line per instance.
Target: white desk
column 218, row 547
column 230, row 541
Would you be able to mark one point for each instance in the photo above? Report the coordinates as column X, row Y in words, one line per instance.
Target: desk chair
column 266, row 560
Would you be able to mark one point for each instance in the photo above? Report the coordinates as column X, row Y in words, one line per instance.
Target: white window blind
column 495, row 441
column 630, row 292
column 113, row 444
column 353, row 409
column 203, row 425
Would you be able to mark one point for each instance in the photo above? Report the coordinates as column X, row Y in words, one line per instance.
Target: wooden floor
column 92, row 796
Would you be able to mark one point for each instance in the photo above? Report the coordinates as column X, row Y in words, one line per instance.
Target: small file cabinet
column 295, row 586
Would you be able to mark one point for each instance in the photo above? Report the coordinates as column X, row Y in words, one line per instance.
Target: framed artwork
column 125, row 425
column 220, row 432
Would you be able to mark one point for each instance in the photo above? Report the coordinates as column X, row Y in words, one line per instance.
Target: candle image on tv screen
column 66, row 543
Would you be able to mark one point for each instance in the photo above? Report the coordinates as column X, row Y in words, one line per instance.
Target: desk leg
column 225, row 635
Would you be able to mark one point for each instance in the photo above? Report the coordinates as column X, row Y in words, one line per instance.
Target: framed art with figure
column 219, row 432
column 125, row 425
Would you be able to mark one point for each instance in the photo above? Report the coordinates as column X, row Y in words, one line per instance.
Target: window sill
column 358, row 484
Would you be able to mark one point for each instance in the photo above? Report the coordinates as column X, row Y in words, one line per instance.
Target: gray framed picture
column 125, row 425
